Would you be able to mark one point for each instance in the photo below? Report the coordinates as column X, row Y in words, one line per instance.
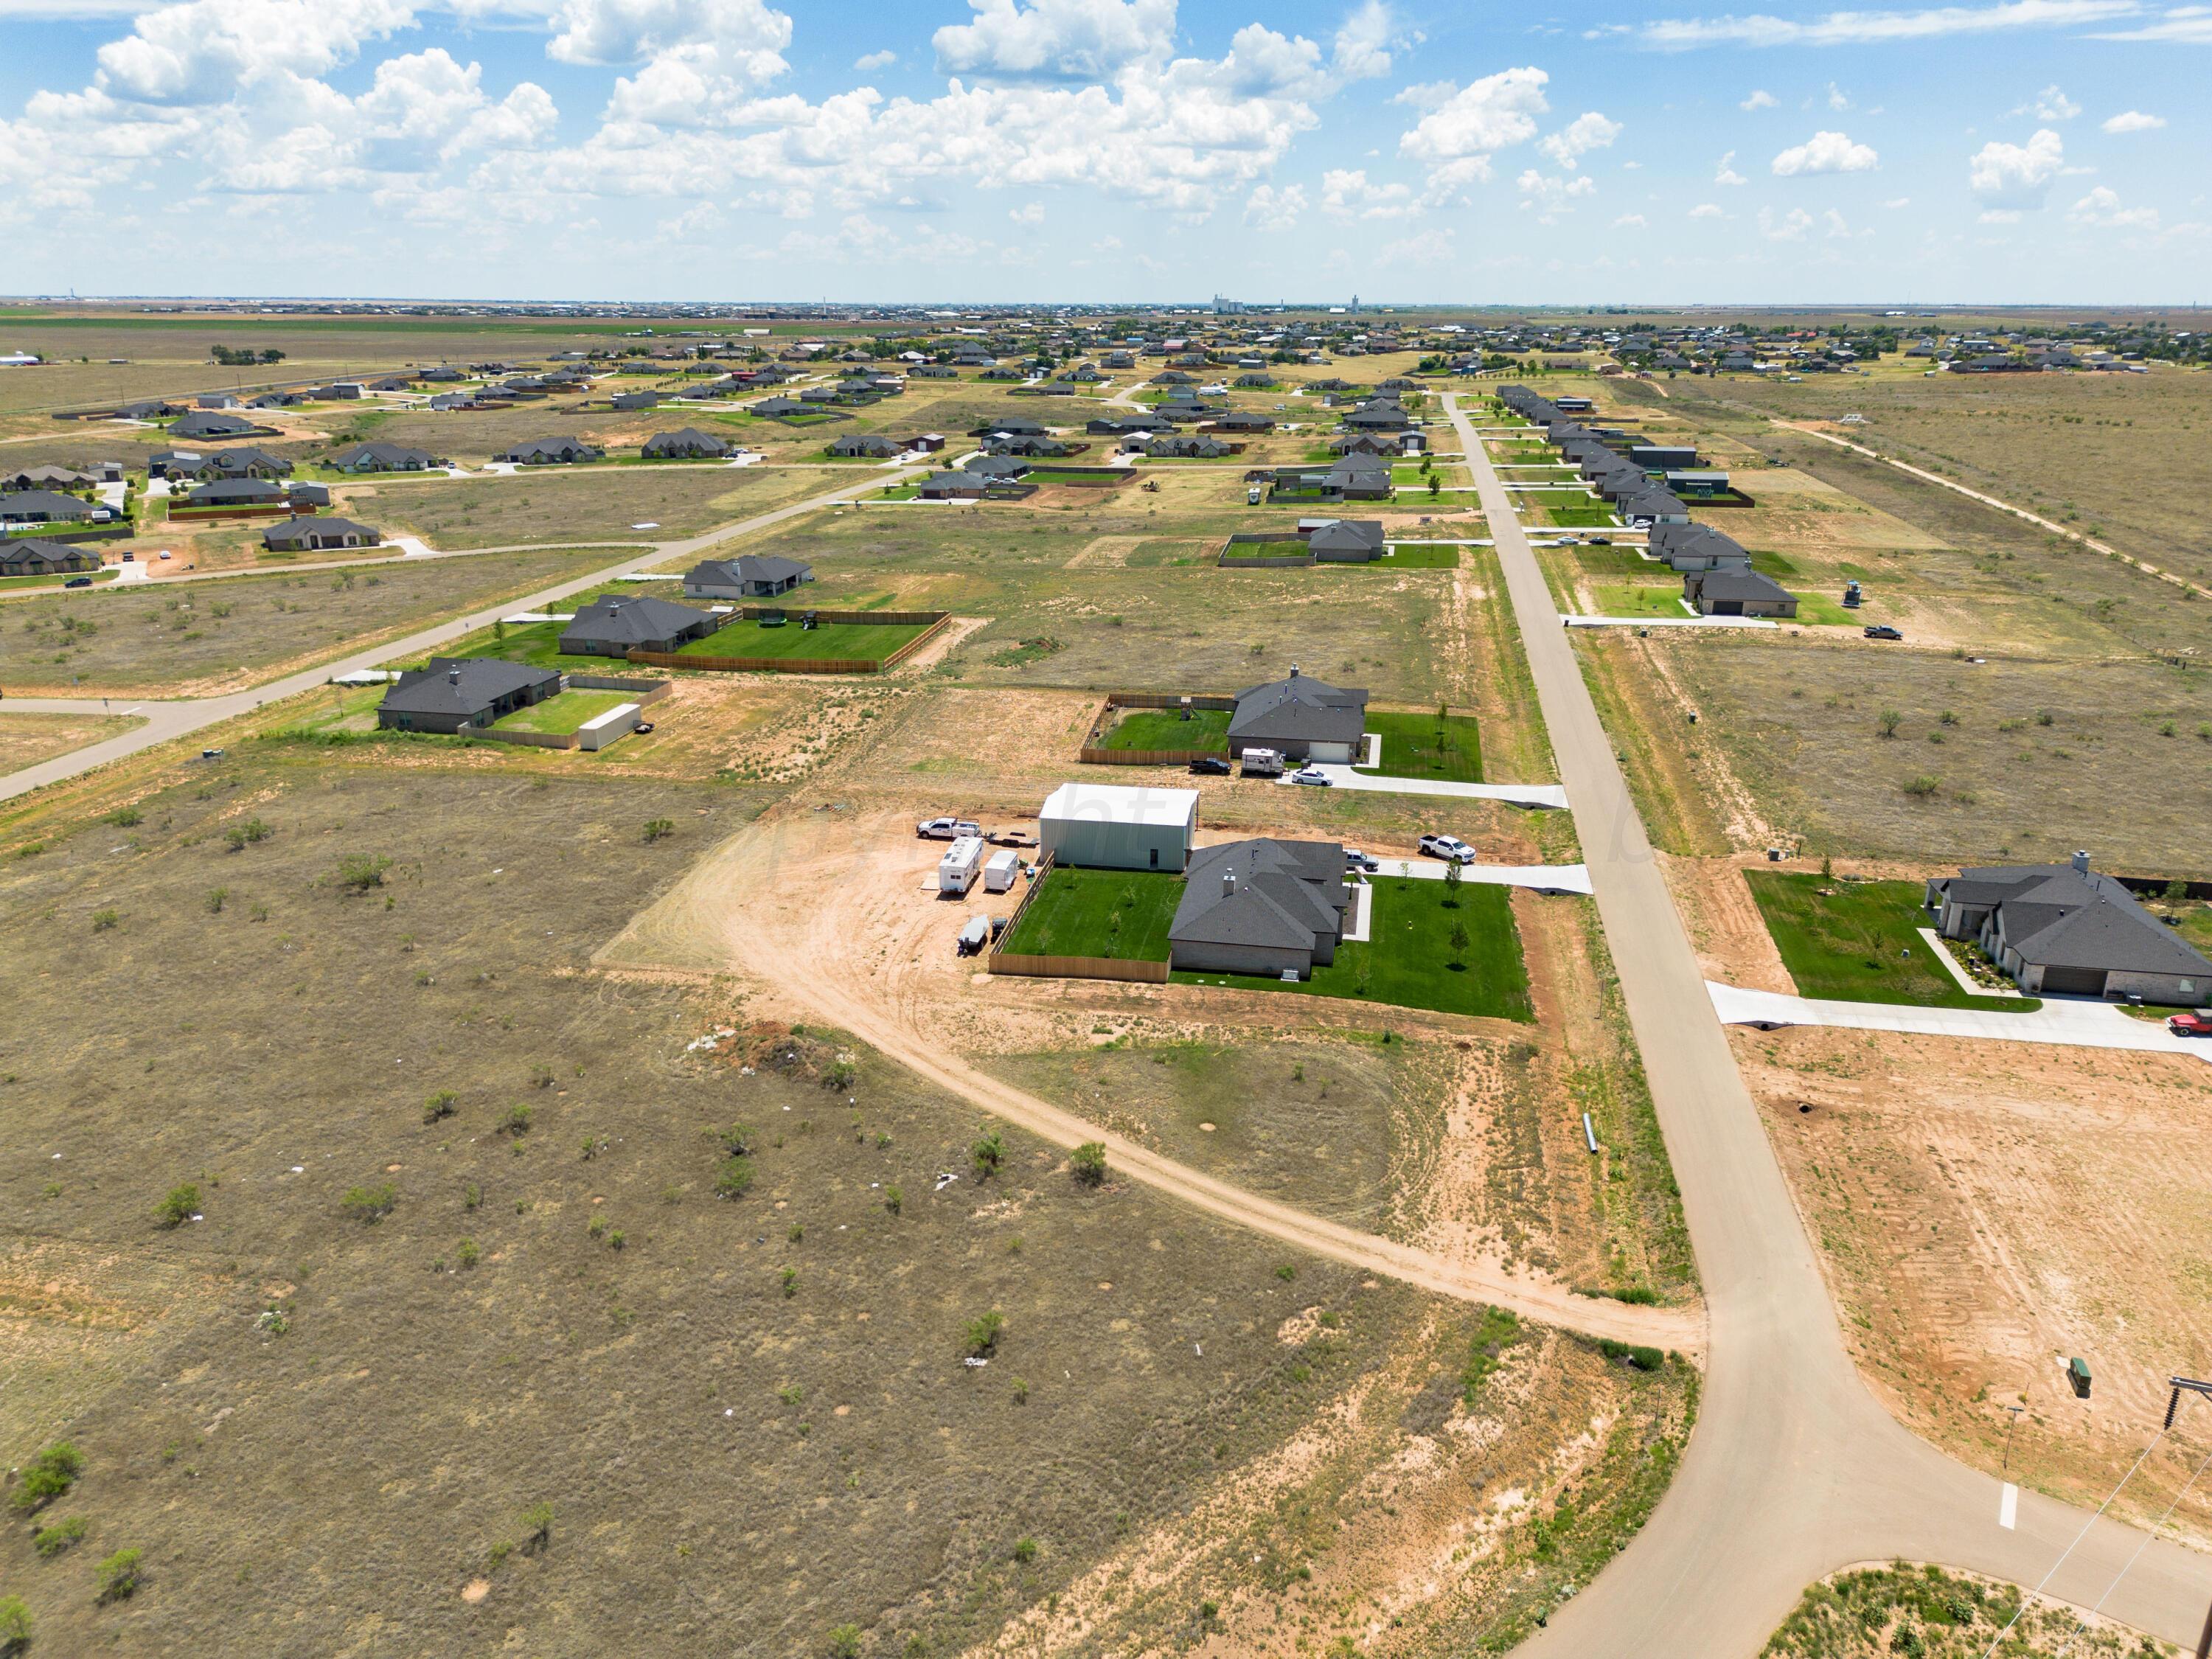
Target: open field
column 202, row 636
column 1873, row 1612
column 1212, row 1425
column 26, row 739
column 1412, row 960
column 1858, row 941
column 561, row 506
column 863, row 642
column 1098, row 913
column 1427, row 745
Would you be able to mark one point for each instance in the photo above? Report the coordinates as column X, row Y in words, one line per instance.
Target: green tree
column 989, row 1152
column 845, row 1642
column 1459, row 942
column 1088, row 1161
column 14, row 1625
column 47, row 1476
column 177, row 1207
column 1888, row 722
column 117, row 1576
column 983, row 1331
column 1451, row 885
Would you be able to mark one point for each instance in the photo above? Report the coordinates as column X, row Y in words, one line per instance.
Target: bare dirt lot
column 1987, row 1211
column 555, row 505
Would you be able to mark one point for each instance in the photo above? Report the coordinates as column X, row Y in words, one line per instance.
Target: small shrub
column 737, row 1139
column 466, row 1255
column 983, row 1331
column 217, row 898
column 117, row 1576
column 1026, row 1550
column 536, row 1523
column 1921, row 788
column 1286, row 1273
column 104, row 919
column 893, row 1199
column 1088, row 1162
column 14, row 1625
column 177, row 1206
column 516, row 1122
column 370, row 1204
column 790, row 1283
column 615, row 1239
column 736, row 1178
column 989, row 1152
column 51, row 1541
column 1888, row 722
column 441, row 1105
column 658, row 829
column 359, row 872
column 844, row 1643
column 1640, row 1358
column 47, row 1476
column 123, row 817
column 239, row 836
column 1021, row 1392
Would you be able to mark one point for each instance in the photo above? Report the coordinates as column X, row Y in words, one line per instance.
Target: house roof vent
column 2080, row 864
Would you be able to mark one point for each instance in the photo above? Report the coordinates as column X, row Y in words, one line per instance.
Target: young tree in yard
column 1459, row 942
column 1435, row 484
column 1451, row 885
column 1088, row 1161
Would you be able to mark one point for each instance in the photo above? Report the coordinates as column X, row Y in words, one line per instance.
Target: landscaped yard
column 563, row 712
column 1412, row 555
column 1098, row 913
column 863, row 642
column 1857, row 941
column 1166, row 728
column 1409, row 960
column 1571, row 512
column 1637, row 599
column 1421, row 747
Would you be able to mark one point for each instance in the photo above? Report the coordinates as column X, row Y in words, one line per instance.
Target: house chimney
column 2080, row 864
column 1229, row 884
column 454, row 675
column 1294, row 670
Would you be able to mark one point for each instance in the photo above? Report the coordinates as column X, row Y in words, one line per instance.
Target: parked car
column 1356, row 859
column 78, row 581
column 1600, row 541
column 946, row 828
column 2190, row 1024
column 130, row 558
column 1313, row 776
column 164, row 554
column 642, row 728
column 975, row 935
column 1210, row 766
column 1450, row 848
column 1881, row 631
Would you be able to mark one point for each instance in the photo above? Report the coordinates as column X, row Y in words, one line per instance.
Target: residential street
column 1794, row 1471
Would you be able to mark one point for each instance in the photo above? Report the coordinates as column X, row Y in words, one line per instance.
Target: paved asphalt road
column 1795, row 1470
column 176, row 719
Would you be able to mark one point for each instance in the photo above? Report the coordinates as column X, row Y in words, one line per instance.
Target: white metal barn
column 1107, row 825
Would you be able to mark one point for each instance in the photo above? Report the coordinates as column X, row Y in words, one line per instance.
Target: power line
column 2070, row 1548
column 2082, row 1623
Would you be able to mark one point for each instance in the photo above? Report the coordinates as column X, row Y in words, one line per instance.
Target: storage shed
column 1113, row 827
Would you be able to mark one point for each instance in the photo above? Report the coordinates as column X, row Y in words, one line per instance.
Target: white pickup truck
column 946, row 828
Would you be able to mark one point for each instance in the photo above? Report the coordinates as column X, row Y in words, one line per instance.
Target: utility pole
column 2190, row 1385
column 2009, row 1427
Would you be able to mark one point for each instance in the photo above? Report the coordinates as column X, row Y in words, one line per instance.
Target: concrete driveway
column 2073, row 1022
column 1538, row 877
column 1552, row 795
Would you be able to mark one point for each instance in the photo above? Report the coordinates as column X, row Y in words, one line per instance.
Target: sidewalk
column 2069, row 1022
column 1513, row 795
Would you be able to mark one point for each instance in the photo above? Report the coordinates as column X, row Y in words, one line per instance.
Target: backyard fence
column 527, row 739
column 1137, row 973
column 275, row 510
column 1093, row 753
column 937, row 621
column 640, row 690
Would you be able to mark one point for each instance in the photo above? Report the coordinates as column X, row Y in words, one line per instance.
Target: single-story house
column 317, row 535
column 1300, row 717
column 244, row 462
column 1652, row 506
column 1024, row 444
column 1260, row 907
column 1117, row 828
column 625, row 401
column 307, row 494
column 686, row 444
column 1688, row 547
column 867, row 445
column 47, row 478
column 202, row 423
column 456, row 693
column 384, row 458
column 2066, row 930
column 44, row 506
column 237, row 492
column 1114, row 426
column 779, row 409
column 615, row 624
column 1191, row 446
column 552, row 451
column 1663, row 458
column 1737, row 591
column 1005, row 467
column 1695, row 483
column 754, row 576
column 1014, row 426
column 1346, row 541
column 1244, row 420
column 30, row 557
column 958, row 485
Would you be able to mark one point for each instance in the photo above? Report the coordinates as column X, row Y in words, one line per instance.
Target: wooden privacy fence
column 640, row 690
column 937, row 621
column 1137, row 972
column 527, row 739
column 1093, row 753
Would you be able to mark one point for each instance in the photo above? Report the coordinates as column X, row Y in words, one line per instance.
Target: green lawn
column 1409, row 961
column 538, row 644
column 1412, row 556
column 1571, row 512
column 562, row 713
column 899, row 493
column 1098, row 913
column 1858, row 942
column 98, row 577
column 1637, row 599
column 1820, row 607
column 1414, row 748
column 865, row 642
column 1165, row 728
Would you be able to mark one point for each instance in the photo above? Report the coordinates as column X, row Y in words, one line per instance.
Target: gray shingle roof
column 2061, row 917
column 1299, row 709
column 462, row 686
column 1284, row 895
column 633, row 619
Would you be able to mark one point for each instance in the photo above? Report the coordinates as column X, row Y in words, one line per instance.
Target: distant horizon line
column 1249, row 307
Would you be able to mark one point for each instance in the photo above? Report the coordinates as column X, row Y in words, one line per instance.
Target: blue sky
column 1995, row 150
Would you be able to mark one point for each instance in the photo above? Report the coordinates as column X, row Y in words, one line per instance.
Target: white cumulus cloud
column 2010, row 176
column 2101, row 208
column 1826, row 152
column 1860, row 28
column 1460, row 135
column 2133, row 120
column 1789, row 227
column 1270, row 208
column 1725, row 174
column 1586, row 133
column 871, row 62
column 1707, row 210
column 1056, row 40
column 1760, row 99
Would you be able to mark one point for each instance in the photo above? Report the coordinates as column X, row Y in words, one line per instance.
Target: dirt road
column 827, row 912
column 1795, row 1470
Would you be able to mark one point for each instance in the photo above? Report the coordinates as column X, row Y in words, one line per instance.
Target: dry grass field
column 557, row 505
column 199, row 637
column 1870, row 1612
column 26, row 739
column 395, row 1328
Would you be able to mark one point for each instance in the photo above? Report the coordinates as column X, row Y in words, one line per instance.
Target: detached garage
column 1109, row 827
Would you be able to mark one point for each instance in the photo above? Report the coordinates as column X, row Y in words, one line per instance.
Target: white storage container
column 1000, row 870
